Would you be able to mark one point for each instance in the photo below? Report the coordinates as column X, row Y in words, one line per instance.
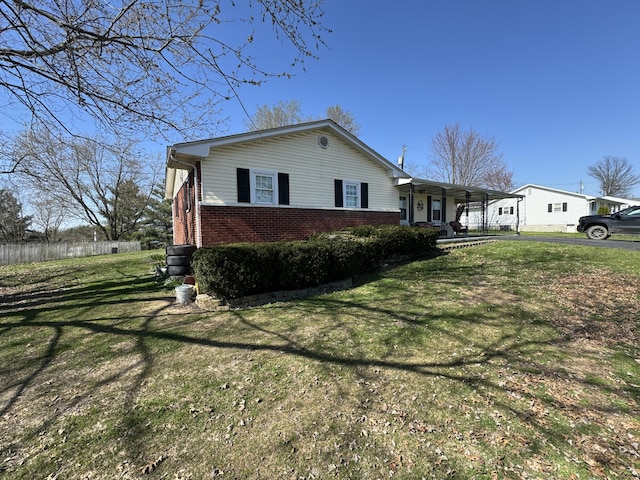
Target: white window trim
column 404, row 210
column 434, row 209
column 252, row 185
column 344, row 193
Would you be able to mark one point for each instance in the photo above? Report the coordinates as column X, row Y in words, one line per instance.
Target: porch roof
column 460, row 193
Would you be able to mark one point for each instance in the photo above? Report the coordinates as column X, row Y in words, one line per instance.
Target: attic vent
column 323, row 141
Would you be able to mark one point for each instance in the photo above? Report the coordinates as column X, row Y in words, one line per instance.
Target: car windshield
column 630, row 211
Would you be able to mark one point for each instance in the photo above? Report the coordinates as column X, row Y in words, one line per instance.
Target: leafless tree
column 468, row 158
column 108, row 188
column 615, row 174
column 49, row 216
column 343, row 118
column 273, row 116
column 290, row 113
column 143, row 66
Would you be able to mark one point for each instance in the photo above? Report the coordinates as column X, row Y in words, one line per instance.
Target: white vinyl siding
column 312, row 171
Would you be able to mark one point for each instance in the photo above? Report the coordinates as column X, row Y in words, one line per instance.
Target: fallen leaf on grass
column 151, row 467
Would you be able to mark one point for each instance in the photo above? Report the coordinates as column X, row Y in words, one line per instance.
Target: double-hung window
column 264, row 186
column 261, row 187
column 403, row 208
column 351, row 194
column 436, row 212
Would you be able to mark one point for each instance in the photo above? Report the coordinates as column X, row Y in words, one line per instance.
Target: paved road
column 631, row 244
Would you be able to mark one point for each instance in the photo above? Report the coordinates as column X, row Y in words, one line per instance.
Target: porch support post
column 518, row 215
column 444, row 207
column 466, row 214
column 484, row 213
column 410, row 206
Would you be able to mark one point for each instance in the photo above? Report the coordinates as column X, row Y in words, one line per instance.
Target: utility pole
column 401, row 157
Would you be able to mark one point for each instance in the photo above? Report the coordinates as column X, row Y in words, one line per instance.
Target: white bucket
column 184, row 293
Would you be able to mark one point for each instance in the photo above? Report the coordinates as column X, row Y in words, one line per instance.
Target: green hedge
column 240, row 269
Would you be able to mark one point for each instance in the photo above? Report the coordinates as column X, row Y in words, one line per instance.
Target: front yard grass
column 507, row 360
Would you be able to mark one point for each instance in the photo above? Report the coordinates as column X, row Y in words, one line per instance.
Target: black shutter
column 283, row 188
column 338, row 193
column 244, row 190
column 364, row 195
column 429, row 208
column 549, row 208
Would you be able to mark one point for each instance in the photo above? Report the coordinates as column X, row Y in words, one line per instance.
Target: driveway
column 632, row 244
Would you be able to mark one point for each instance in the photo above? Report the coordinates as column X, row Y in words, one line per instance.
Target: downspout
column 196, row 184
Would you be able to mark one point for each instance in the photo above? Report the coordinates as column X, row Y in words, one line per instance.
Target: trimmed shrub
column 236, row 270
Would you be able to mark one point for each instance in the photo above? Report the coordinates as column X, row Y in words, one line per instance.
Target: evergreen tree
column 13, row 224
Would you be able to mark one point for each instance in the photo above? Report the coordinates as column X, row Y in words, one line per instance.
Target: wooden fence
column 12, row 253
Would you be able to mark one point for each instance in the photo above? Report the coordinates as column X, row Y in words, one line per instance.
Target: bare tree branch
column 142, row 66
column 615, row 174
column 467, row 158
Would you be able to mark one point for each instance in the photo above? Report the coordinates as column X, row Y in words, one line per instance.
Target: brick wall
column 264, row 224
column 184, row 214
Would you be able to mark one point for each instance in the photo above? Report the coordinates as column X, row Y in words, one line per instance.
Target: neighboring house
column 290, row 182
column 545, row 209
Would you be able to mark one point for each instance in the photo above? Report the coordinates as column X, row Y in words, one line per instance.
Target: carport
column 436, row 203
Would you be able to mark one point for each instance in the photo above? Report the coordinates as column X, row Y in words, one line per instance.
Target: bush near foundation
column 240, row 269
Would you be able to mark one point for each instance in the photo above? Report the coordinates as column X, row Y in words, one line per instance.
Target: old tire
column 181, row 249
column 180, row 260
column 597, row 232
column 178, row 270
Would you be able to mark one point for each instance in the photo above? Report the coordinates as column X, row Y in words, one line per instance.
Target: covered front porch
column 446, row 206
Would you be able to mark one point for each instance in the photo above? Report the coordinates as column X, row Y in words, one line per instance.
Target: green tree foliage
column 615, row 175
column 13, row 224
column 126, row 205
column 157, row 221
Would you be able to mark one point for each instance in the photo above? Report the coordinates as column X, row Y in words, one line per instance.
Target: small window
column 557, row 207
column 403, row 208
column 264, row 188
column 436, row 213
column 351, row 194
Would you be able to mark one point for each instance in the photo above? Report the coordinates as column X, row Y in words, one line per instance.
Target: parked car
column 600, row 227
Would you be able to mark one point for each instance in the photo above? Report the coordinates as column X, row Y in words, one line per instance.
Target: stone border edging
column 207, row 302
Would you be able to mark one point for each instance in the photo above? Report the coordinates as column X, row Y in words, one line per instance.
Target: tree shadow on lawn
column 513, row 348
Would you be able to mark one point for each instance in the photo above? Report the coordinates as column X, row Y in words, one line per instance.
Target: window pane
column 435, row 208
column 264, row 189
column 351, row 195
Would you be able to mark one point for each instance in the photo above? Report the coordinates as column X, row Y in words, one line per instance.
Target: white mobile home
column 545, row 209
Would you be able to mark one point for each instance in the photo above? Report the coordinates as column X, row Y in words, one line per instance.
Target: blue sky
column 555, row 82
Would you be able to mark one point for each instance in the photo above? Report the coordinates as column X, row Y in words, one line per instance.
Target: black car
column 600, row 227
